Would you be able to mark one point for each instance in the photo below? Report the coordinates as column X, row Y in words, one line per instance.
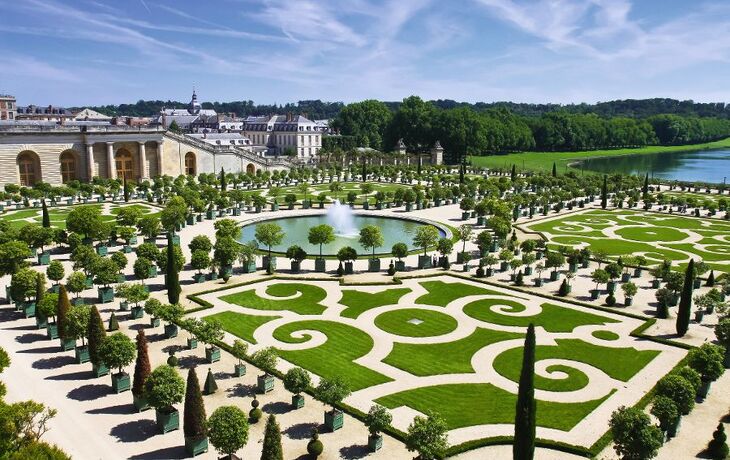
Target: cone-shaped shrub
column 142, row 368
column 718, row 446
column 46, row 217
column 194, row 421
column 604, row 192
column 113, row 323
column 685, row 302
column 563, row 291
column 173, row 276
column 272, row 449
column 523, row 447
column 711, row 279
column 96, row 334
column 210, row 386
column 62, row 313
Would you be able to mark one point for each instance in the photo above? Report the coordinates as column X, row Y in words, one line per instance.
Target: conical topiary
column 194, row 418
column 113, row 323
column 563, row 291
column 62, row 313
column 523, row 447
column 142, row 368
column 210, row 386
column 685, row 302
column 46, row 217
column 718, row 446
column 314, row 446
column 272, row 449
column 172, row 274
column 96, row 334
column 711, row 279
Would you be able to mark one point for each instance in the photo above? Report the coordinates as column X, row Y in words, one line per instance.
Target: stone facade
column 8, row 108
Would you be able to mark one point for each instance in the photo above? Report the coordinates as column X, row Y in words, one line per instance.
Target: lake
column 703, row 166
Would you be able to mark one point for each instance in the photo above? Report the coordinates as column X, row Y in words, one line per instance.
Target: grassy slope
column 543, row 161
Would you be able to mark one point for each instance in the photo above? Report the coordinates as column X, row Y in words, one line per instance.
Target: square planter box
column 82, row 354
column 137, row 312
column 106, row 294
column 68, row 344
column 538, row 282
column 121, row 382
column 296, row 266
column 88, row 282
column 127, row 249
column 349, row 268
column 29, row 309
column 400, row 265
column 249, row 267
column 153, row 272
column 167, row 420
column 373, row 265
column 196, row 446
column 239, row 370
column 655, row 284
column 269, row 261
column 334, row 419
column 102, row 250
column 212, row 354
column 199, row 218
column 99, row 370
column 123, row 305
column 52, row 331
column 78, row 301
column 625, row 277
column 320, row 265
column 44, row 258
column 171, row 331
column 190, row 220
column 265, row 383
column 121, row 278
column 297, row 401
column 41, row 322
column 594, row 294
column 192, row 343
column 212, row 276
column 554, row 276
column 375, row 443
column 140, row 403
column 424, row 262
column 176, row 240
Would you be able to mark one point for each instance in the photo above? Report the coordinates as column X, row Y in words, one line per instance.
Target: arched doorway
column 29, row 168
column 125, row 164
column 190, row 164
column 68, row 166
column 251, row 169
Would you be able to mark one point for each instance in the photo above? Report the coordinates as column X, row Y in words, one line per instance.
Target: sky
column 94, row 52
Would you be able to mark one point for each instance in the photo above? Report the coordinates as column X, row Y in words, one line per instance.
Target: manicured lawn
column 358, row 302
column 552, row 317
column 543, row 161
column 444, row 358
column 463, row 405
column 605, row 335
column 240, row 324
column 335, row 357
column 416, row 322
column 305, row 304
column 442, row 294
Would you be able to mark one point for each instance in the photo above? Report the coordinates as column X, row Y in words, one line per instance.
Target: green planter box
column 212, row 276
column 29, row 309
column 349, row 269
column 628, row 301
column 99, row 370
column 297, row 401
column 249, row 267
column 44, row 258
column 424, row 262
column 334, row 419
column 373, row 265
column 239, row 370
column 167, row 420
column 123, row 305
column 41, row 322
column 200, row 277
column 140, row 403
column 153, row 272
column 655, row 284
column 704, row 389
column 209, row 214
column 594, row 294
column 265, row 383
column 269, row 261
column 52, row 331
column 375, row 443
column 192, row 343
column 196, row 446
column 78, row 301
column 82, row 354
column 137, row 312
column 171, row 331
column 212, row 354
column 190, row 219
column 121, row 382
column 102, row 250
column 54, row 289
column 88, row 282
column 106, row 294
column 176, row 240
column 296, row 266
column 400, row 265
column 68, row 344
column 554, row 276
column 121, row 278
column 320, row 265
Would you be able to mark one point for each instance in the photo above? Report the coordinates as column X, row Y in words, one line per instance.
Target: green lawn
column 444, row 358
column 305, row 304
column 543, row 161
column 416, row 322
column 240, row 324
column 463, row 405
column 552, row 317
column 441, row 294
column 358, row 302
column 335, row 357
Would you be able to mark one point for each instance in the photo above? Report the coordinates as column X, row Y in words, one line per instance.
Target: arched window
column 251, row 169
column 190, row 165
column 68, row 167
column 29, row 168
column 125, row 164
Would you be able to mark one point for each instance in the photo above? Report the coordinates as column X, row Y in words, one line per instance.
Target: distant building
column 8, row 107
column 191, row 119
column 282, row 134
column 49, row 113
column 91, row 115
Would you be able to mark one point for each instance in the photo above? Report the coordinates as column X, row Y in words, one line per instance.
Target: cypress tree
column 523, row 447
column 113, row 323
column 272, row 449
column 604, row 192
column 514, row 173
column 462, row 169
column 224, row 184
column 142, row 368
column 46, row 217
column 62, row 312
column 126, row 191
column 645, row 190
column 718, row 446
column 685, row 302
column 555, row 170
column 194, row 418
column 40, row 287
column 173, row 276
column 96, row 333
column 364, row 170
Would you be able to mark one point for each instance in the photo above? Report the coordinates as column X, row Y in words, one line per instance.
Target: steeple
column 194, row 107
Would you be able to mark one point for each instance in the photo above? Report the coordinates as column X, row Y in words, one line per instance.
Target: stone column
column 89, row 161
column 143, row 172
column 111, row 164
column 159, row 157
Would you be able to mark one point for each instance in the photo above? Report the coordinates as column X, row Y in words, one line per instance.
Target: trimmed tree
column 634, row 436
column 97, row 335
column 62, row 313
column 46, row 217
column 604, row 192
column 717, row 448
column 173, row 274
column 272, row 449
column 371, row 237
column 142, row 368
column 297, row 380
column 321, row 235
column 117, row 351
column 228, row 430
column 523, row 447
column 427, row 436
column 194, row 418
column 685, row 302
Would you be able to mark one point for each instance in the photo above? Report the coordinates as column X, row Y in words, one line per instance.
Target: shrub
column 314, row 446
column 164, row 388
column 665, row 411
column 117, row 351
column 634, row 436
column 377, row 419
column 228, row 429
column 427, row 436
column 297, row 380
column 272, row 449
column 679, row 390
column 707, row 360
column 194, row 418
column 717, row 448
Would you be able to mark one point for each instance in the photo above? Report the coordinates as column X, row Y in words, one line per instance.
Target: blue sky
column 84, row 52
